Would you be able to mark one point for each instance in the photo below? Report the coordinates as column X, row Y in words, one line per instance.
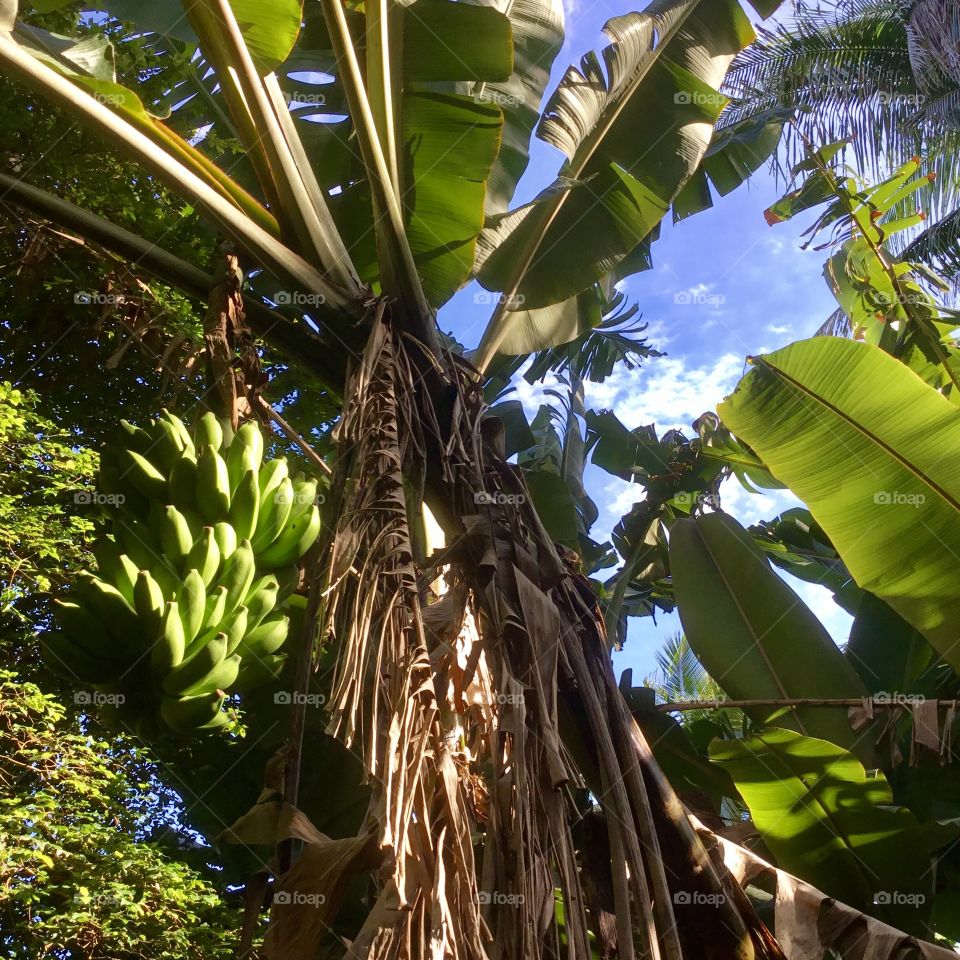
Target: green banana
column 206, row 670
column 175, row 536
column 226, row 538
column 235, row 629
column 136, row 539
column 222, row 719
column 142, row 474
column 106, row 553
column 245, row 506
column 266, row 639
column 155, row 520
column 125, row 577
column 251, row 438
column 186, row 441
column 111, row 481
column 69, row 660
column 109, row 605
column 294, row 542
column 213, row 486
column 304, row 496
column 275, row 509
column 209, row 433
column 165, row 575
column 214, row 609
column 168, row 649
column 272, row 475
column 261, row 599
column 78, row 623
column 245, row 452
column 167, row 445
column 238, row 574
column 189, row 714
column 257, row 672
column 134, row 437
column 204, row 556
column 148, row 602
column 192, row 599
column 182, row 583
column 183, row 482
column 288, row 578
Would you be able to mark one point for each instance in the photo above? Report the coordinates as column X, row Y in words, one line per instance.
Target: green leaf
column 686, row 769
column 736, row 152
column 641, row 130
column 889, row 655
column 628, row 454
column 553, row 470
column 516, row 430
column 455, row 41
column 635, row 133
column 752, row 633
column 93, row 55
column 829, row 823
column 555, row 505
column 795, row 542
column 450, row 142
column 603, row 220
column 128, row 105
column 607, row 344
column 270, row 29
column 537, row 27
column 532, row 331
column 875, row 454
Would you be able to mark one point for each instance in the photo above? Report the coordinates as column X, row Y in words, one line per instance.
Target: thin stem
column 294, row 436
column 399, row 274
column 903, row 300
column 298, row 341
column 889, row 702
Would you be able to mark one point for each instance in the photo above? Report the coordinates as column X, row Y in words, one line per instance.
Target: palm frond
column 837, row 72
column 884, row 73
column 939, row 246
column 933, row 29
column 682, row 676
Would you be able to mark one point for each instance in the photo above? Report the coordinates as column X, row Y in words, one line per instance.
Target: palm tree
column 681, row 676
column 884, row 73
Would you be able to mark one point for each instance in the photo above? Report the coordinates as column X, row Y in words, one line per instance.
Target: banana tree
column 483, row 710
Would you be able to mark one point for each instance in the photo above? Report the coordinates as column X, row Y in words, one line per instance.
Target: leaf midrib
column 750, row 628
column 764, row 364
column 595, row 137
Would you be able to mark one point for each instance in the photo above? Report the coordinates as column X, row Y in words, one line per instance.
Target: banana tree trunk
column 488, row 718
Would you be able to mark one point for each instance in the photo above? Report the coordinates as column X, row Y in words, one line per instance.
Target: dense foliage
column 90, row 863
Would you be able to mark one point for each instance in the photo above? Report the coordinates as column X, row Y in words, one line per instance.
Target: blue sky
column 744, row 287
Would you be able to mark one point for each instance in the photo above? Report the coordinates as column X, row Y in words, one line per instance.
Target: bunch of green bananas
column 195, row 591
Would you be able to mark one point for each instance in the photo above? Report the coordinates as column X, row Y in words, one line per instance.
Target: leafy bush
column 83, row 873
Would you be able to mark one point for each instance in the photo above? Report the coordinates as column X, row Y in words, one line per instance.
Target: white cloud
column 820, row 600
column 666, row 392
column 780, row 329
column 657, row 334
column 533, row 395
column 750, row 507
